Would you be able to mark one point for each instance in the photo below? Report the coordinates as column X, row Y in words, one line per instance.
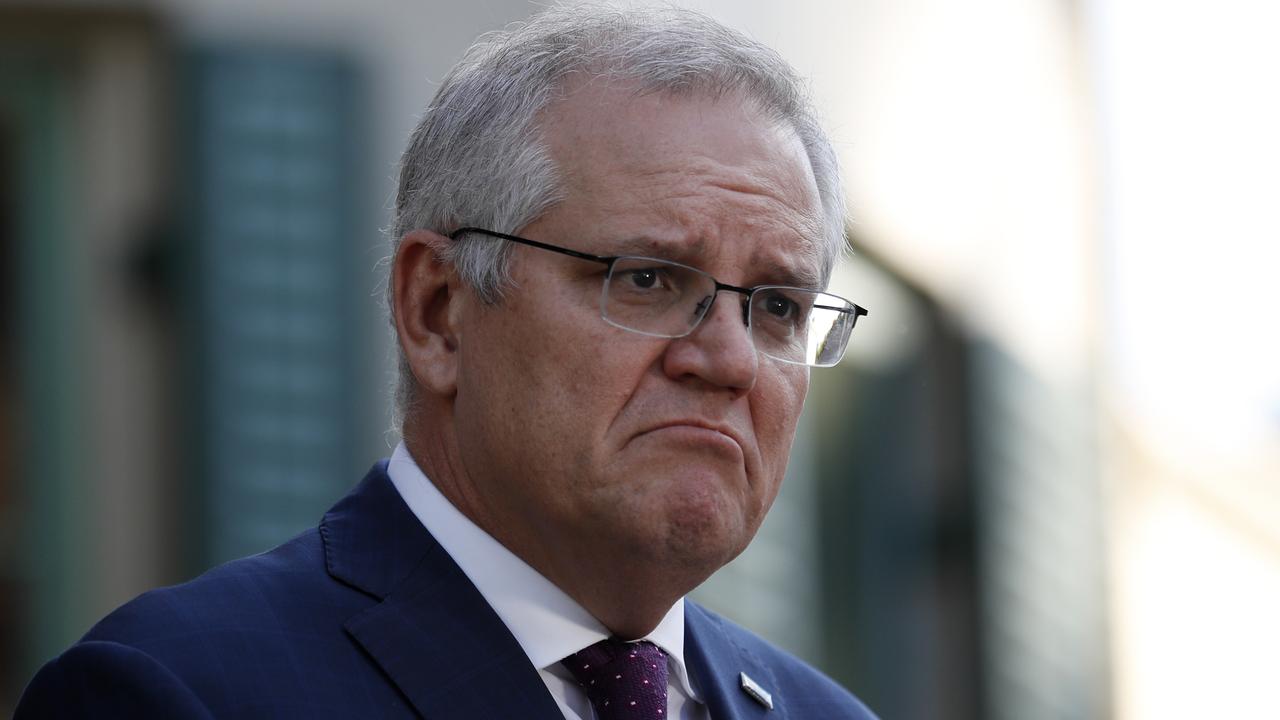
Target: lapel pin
column 757, row 693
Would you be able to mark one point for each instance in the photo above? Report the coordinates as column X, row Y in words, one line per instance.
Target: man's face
column 585, row 442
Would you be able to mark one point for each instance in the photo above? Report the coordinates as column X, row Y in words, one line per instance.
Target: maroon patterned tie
column 622, row 679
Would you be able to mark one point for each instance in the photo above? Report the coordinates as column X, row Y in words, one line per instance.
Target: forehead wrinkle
column 789, row 256
column 763, row 208
column 699, row 173
column 793, row 257
column 803, row 274
column 807, row 271
column 700, row 199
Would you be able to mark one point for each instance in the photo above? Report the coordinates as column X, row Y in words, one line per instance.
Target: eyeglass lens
column 666, row 299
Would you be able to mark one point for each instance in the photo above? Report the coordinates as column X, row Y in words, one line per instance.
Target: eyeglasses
column 666, row 299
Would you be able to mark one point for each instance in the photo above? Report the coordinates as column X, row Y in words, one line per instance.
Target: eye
column 781, row 307
column 644, row 278
column 651, row 278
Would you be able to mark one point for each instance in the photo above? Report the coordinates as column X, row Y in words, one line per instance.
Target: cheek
column 777, row 411
column 580, row 377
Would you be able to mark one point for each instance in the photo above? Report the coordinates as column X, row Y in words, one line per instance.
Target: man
column 612, row 231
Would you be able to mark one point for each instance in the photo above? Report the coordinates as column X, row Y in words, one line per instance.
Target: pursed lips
column 700, row 424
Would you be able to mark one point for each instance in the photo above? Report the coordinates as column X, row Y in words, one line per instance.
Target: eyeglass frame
column 609, row 260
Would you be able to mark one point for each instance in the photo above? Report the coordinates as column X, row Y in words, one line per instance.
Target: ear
column 427, row 297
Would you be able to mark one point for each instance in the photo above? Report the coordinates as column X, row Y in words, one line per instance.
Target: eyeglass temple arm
column 456, row 234
column 858, row 311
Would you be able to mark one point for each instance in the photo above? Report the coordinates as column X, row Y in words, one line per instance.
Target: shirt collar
column 547, row 623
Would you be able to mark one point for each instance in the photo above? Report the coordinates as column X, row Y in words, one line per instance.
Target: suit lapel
column 717, row 662
column 432, row 633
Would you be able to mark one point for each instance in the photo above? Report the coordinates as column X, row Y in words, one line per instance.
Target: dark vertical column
column 900, row 568
column 274, row 337
column 46, row 539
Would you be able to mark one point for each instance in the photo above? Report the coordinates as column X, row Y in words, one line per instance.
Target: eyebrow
column 805, row 275
column 667, row 249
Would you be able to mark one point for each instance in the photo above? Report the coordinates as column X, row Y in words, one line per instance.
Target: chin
column 707, row 527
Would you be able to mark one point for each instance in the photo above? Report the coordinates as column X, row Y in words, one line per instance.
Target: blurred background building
column 1045, row 483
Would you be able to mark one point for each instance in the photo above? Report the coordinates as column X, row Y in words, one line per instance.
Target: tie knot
column 622, row 679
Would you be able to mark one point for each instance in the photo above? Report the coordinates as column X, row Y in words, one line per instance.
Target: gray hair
column 478, row 158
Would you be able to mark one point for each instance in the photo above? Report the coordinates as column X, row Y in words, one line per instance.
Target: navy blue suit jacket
column 364, row 617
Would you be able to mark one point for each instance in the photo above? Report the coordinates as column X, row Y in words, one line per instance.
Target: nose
column 719, row 351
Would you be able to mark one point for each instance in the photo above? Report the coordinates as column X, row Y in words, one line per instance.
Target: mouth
column 698, row 432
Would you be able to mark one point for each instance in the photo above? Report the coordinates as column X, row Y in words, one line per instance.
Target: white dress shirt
column 548, row 624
